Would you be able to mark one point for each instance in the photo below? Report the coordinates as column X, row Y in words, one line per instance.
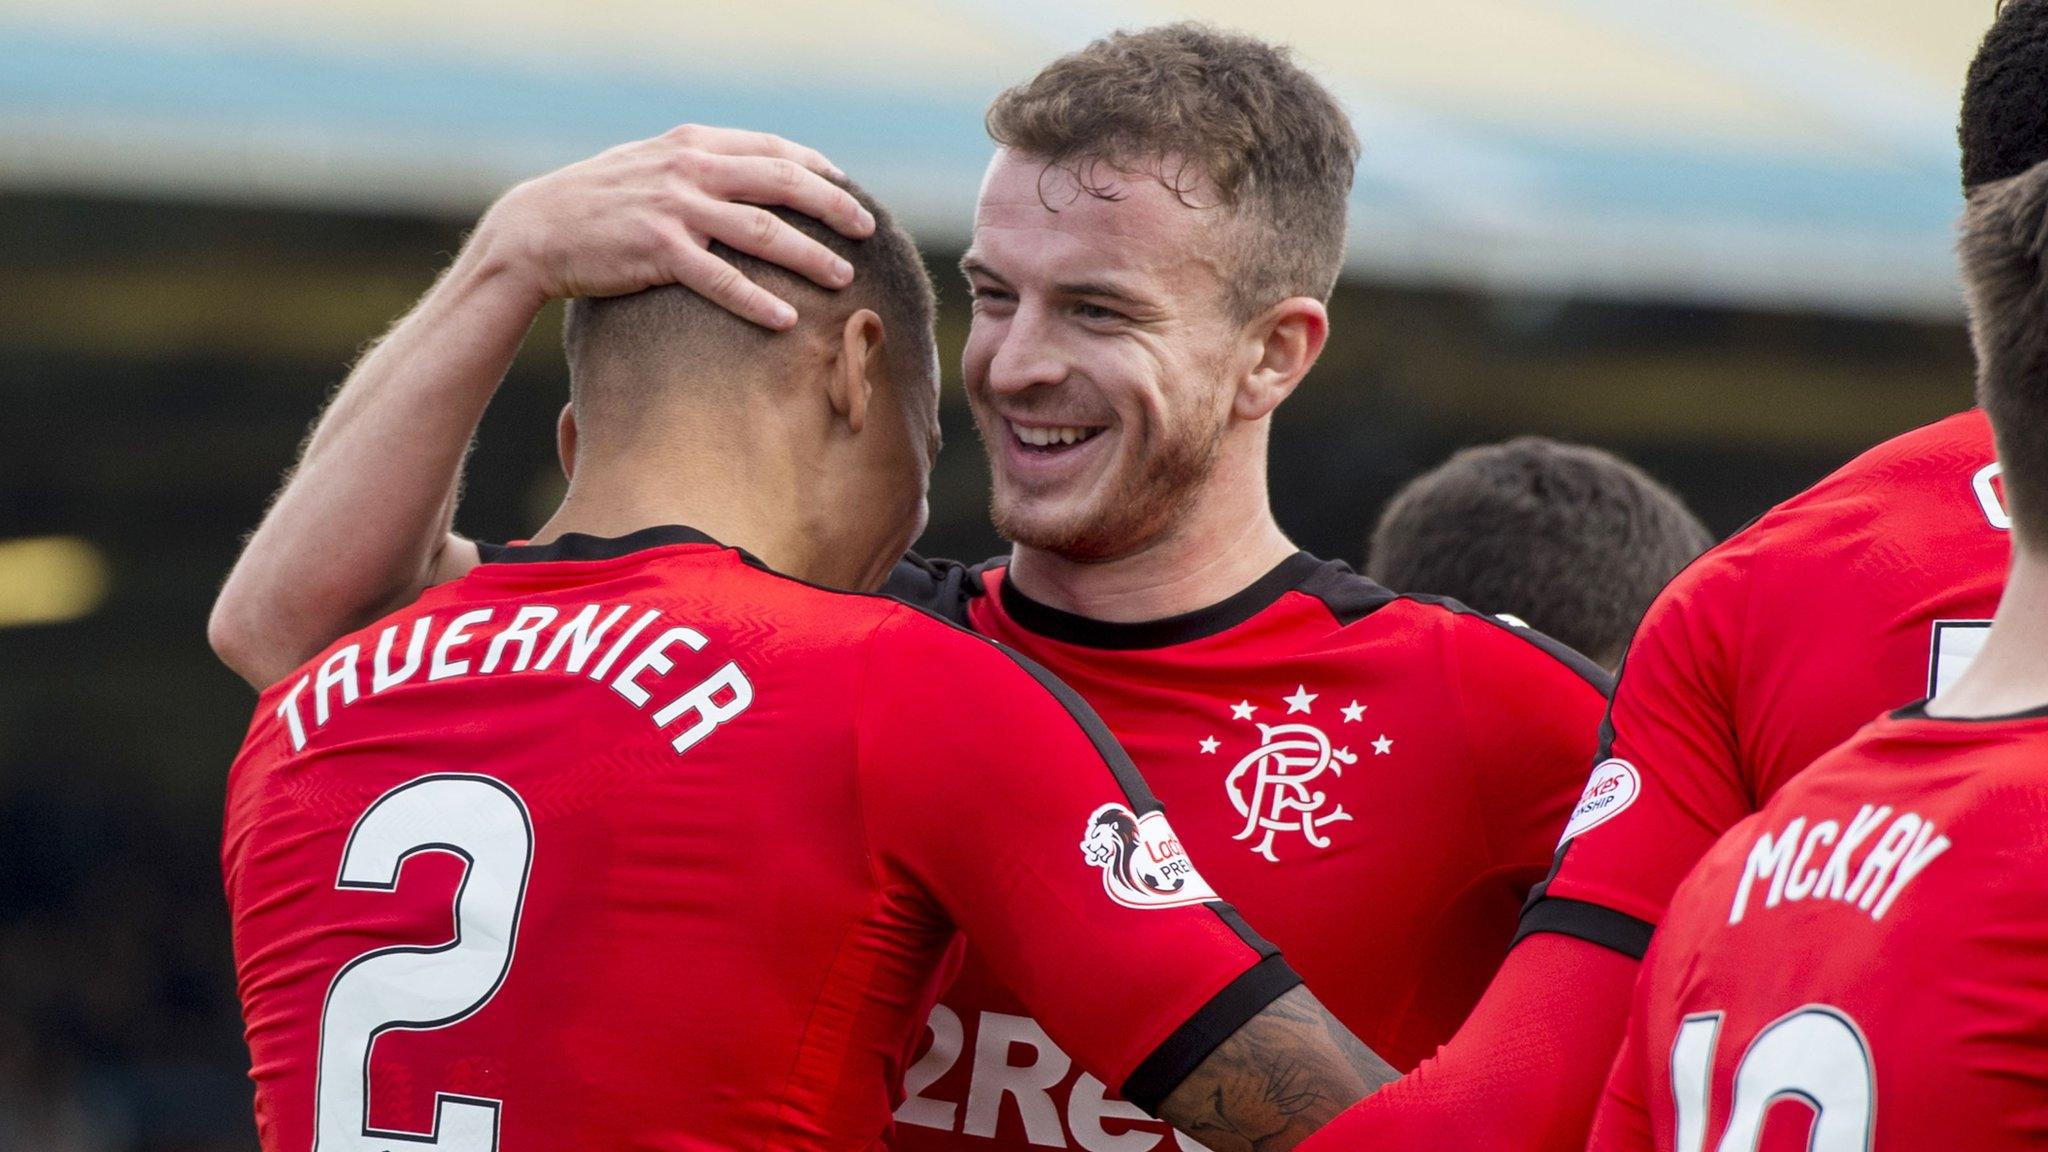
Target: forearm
column 1523, row 1074
column 363, row 522
column 1288, row 1071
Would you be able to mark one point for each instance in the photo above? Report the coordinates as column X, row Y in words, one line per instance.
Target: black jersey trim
column 1918, row 711
column 1176, row 1059
column 1351, row 597
column 1563, row 653
column 1593, row 923
column 1229, row 915
column 578, row 546
column 1086, row 631
column 1127, row 776
column 1605, row 749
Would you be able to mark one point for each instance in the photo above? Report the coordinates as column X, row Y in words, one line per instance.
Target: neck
column 2010, row 673
column 1225, row 540
column 756, row 505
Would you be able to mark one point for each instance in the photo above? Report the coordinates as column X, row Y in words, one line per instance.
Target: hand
column 645, row 214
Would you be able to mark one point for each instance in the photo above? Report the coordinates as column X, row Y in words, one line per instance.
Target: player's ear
column 858, row 369
column 565, row 440
column 1281, row 344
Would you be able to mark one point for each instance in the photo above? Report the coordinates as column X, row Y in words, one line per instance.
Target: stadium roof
column 1794, row 153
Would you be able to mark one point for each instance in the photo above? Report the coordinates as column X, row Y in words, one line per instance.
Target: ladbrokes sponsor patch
column 1142, row 862
column 1613, row 788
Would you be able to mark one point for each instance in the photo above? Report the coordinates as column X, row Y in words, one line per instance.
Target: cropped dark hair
column 1268, row 137
column 1571, row 540
column 2004, row 129
column 643, row 330
column 2004, row 250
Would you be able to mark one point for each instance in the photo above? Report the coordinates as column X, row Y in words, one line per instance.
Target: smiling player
column 1156, row 237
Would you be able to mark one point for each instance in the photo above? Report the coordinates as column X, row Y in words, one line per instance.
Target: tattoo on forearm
column 1283, row 1075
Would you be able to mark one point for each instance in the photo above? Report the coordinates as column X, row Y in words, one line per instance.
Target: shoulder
column 1922, row 480
column 947, row 676
column 1443, row 625
column 1915, row 493
column 944, row 588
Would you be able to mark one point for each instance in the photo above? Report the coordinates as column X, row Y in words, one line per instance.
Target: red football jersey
column 634, row 844
column 1864, row 964
column 1868, row 590
column 1375, row 781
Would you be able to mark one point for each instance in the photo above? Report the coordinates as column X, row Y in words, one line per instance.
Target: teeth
column 1047, row 437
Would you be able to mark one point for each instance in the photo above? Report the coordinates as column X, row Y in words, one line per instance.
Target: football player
column 640, row 835
column 1570, row 540
column 1859, row 965
column 1869, row 590
column 1155, row 240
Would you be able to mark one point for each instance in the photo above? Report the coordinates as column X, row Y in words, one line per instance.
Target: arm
column 362, row 524
column 1525, row 1069
column 1623, row 1122
column 1287, row 1072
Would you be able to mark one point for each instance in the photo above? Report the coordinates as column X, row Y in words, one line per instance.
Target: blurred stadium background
column 1713, row 235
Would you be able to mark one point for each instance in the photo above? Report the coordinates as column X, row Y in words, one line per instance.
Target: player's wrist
column 502, row 263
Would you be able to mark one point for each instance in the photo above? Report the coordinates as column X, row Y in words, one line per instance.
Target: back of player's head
column 1216, row 116
column 1571, row 540
column 2004, row 128
column 2004, row 250
column 628, row 353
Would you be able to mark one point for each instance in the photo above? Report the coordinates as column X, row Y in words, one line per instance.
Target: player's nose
column 1025, row 356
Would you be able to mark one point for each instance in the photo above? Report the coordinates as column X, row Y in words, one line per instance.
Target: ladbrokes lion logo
column 1142, row 862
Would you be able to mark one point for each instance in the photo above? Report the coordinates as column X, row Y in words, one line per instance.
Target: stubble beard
column 1144, row 503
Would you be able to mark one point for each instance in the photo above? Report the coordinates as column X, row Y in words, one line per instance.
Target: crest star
column 1353, row 713
column 1300, row 701
column 1382, row 746
column 1242, row 710
column 1209, row 745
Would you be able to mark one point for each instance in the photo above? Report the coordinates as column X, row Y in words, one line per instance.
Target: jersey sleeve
column 1667, row 780
column 1622, row 1123
column 992, row 792
column 1531, row 715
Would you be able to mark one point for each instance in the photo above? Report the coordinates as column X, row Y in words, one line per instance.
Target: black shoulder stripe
column 1590, row 922
column 1600, row 755
column 1180, row 1054
column 1349, row 596
column 1563, row 653
column 1136, row 792
column 1135, row 789
column 1229, row 915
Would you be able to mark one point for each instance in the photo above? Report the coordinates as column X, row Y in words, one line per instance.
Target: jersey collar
column 1918, row 711
column 1086, row 631
column 577, row 546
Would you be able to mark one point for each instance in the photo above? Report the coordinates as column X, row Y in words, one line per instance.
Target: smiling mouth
column 1049, row 440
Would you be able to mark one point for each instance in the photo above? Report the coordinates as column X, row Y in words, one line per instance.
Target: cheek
column 984, row 336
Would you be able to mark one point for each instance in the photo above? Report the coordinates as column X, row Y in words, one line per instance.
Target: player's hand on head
column 646, row 213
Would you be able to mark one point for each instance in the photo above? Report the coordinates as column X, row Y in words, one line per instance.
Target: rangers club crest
column 1278, row 786
column 1142, row 862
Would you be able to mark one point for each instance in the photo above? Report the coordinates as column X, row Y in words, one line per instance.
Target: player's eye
column 988, row 297
column 1097, row 312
